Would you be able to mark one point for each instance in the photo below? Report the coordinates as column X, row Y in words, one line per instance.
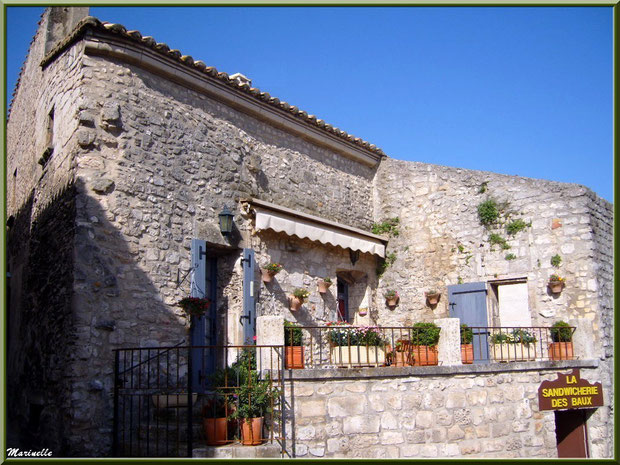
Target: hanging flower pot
column 391, row 297
column 556, row 283
column 194, row 306
column 298, row 298
column 270, row 271
column 324, row 285
column 363, row 311
column 432, row 297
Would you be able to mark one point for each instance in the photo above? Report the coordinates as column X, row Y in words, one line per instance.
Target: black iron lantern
column 226, row 221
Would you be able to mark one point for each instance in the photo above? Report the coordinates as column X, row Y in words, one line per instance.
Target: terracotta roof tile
column 187, row 60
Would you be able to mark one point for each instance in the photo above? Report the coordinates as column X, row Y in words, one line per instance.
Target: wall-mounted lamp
column 226, row 221
column 354, row 255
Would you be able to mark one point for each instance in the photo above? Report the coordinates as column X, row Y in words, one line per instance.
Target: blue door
column 203, row 330
column 469, row 303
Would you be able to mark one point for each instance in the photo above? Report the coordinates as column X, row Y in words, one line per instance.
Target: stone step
column 238, row 451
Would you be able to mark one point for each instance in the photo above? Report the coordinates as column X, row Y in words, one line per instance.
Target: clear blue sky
column 520, row 91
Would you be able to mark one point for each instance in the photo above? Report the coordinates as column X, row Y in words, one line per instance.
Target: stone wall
column 460, row 415
column 442, row 242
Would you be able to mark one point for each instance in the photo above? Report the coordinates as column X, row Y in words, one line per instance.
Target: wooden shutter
column 250, row 291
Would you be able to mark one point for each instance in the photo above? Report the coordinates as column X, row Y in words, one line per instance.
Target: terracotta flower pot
column 561, row 351
column 252, row 431
column 467, row 354
column 424, row 355
column 293, row 357
column 556, row 286
column 402, row 359
column 296, row 303
column 267, row 275
column 391, row 302
column 433, row 299
column 216, row 431
column 323, row 286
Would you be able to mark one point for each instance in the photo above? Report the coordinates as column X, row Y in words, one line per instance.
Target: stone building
column 121, row 155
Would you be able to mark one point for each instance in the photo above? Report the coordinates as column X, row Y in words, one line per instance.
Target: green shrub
column 561, row 332
column 386, row 263
column 488, row 212
column 425, row 334
column 292, row 334
column 556, row 261
column 389, row 227
column 467, row 334
column 510, row 256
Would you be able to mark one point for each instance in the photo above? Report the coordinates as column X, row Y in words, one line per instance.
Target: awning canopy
column 304, row 226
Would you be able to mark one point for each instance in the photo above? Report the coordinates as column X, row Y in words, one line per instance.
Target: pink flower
column 254, row 338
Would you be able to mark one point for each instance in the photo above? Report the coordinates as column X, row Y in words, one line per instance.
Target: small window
column 49, row 143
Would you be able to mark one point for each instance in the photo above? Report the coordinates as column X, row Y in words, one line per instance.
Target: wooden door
column 571, row 433
column 468, row 302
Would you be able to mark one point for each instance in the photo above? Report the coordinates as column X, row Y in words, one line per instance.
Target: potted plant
column 432, row 297
column 402, row 356
column 298, row 298
column 556, row 283
column 355, row 346
column 515, row 346
column 467, row 348
column 324, row 284
column 215, row 418
column 255, row 399
column 293, row 349
column 424, row 339
column 269, row 271
column 562, row 346
column 391, row 297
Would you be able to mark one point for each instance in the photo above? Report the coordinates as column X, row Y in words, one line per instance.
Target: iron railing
column 324, row 347
column 165, row 398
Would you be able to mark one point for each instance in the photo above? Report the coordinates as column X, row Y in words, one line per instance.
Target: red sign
column 569, row 392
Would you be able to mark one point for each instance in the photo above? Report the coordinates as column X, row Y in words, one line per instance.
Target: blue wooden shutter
column 469, row 303
column 248, row 316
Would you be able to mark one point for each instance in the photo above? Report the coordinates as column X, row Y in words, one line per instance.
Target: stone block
column 361, row 424
column 455, row 433
column 455, row 399
column 389, row 421
column 317, row 451
column 424, row 419
column 345, row 406
column 305, row 433
column 449, row 346
column 391, row 437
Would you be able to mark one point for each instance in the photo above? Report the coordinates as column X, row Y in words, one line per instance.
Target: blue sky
column 522, row 91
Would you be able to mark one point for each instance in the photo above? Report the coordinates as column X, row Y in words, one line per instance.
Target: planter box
column 357, row 355
column 424, row 355
column 561, row 351
column 172, row 400
column 467, row 354
column 293, row 357
column 402, row 359
column 513, row 352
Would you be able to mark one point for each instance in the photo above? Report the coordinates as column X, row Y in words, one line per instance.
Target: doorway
column 343, row 300
column 571, row 433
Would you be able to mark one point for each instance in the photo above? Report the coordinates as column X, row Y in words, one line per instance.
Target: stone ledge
column 395, row 372
column 238, row 451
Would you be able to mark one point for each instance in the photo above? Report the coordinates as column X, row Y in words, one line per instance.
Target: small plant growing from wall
column 483, row 187
column 516, row 226
column 556, row 261
column 496, row 239
column 488, row 212
column 389, row 227
column 386, row 263
column 510, row 256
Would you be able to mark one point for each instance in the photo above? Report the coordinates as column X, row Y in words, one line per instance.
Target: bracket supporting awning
column 304, row 226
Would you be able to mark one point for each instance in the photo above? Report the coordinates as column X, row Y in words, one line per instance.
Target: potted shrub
column 467, row 348
column 432, row 297
column 562, row 346
column 556, row 283
column 269, row 271
column 293, row 349
column 324, row 284
column 424, row 339
column 515, row 346
column 355, row 346
column 215, row 413
column 298, row 298
column 391, row 297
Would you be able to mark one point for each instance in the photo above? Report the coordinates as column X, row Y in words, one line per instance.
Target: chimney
column 60, row 22
column 241, row 79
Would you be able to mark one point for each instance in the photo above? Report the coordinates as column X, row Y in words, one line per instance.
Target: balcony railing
column 169, row 400
column 349, row 347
